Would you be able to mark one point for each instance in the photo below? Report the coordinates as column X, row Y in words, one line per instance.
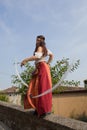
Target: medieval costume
column 40, row 82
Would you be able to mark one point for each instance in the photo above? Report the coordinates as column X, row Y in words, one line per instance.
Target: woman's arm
column 50, row 54
column 50, row 58
column 32, row 58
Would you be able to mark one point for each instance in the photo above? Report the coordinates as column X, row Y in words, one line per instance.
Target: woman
column 41, row 79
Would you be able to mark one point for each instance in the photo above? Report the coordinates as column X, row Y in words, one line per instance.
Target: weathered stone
column 3, row 126
column 16, row 118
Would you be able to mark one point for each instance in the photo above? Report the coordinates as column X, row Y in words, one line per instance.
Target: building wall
column 65, row 104
column 70, row 104
column 14, row 98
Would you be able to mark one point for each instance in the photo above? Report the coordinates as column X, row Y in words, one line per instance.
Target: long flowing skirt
column 40, row 82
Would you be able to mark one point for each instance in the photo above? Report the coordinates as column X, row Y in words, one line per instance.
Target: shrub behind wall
column 3, row 97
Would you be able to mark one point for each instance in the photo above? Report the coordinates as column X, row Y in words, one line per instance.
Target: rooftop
column 12, row 89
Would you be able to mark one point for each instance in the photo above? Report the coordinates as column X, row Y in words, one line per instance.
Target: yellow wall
column 71, row 104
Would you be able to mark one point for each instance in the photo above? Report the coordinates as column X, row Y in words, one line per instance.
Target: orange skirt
column 40, row 82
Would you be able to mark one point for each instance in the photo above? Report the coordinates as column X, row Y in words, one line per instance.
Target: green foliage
column 59, row 69
column 56, row 72
column 59, row 90
column 23, row 91
column 25, row 75
column 3, row 97
column 71, row 83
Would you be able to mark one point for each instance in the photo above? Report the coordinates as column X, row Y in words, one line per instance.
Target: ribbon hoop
column 49, row 90
column 57, row 84
column 16, row 63
column 29, row 97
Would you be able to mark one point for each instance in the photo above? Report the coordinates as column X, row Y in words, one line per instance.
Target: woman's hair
column 41, row 37
column 42, row 44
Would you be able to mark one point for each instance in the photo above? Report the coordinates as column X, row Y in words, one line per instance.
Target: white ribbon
column 57, row 84
column 49, row 90
column 19, row 74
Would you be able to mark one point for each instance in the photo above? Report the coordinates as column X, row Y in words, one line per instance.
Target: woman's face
column 38, row 40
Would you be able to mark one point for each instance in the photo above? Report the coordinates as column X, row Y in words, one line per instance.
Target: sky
column 62, row 22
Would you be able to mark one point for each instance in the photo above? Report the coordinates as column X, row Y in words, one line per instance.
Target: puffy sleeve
column 38, row 54
column 49, row 52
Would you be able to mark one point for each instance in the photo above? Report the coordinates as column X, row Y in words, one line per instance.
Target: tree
column 56, row 72
column 26, row 76
column 60, row 68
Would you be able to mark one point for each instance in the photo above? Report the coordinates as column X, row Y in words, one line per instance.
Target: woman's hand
column 23, row 62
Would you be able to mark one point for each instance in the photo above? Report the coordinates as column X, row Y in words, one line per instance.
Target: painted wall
column 70, row 104
column 14, row 98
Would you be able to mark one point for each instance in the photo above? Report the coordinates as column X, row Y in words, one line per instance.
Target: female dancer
column 41, row 79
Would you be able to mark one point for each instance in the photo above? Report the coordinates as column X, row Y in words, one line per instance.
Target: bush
column 3, row 97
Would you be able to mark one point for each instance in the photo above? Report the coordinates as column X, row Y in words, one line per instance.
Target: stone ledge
column 3, row 126
column 16, row 118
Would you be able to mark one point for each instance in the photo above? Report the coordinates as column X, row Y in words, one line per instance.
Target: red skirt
column 40, row 82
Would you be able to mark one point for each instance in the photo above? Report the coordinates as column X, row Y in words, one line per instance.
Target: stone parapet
column 16, row 118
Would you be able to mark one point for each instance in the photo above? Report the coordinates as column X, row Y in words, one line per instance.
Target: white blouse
column 40, row 56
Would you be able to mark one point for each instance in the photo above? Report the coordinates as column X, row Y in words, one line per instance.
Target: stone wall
column 16, row 118
column 3, row 126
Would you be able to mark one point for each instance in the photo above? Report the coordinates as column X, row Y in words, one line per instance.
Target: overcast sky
column 62, row 22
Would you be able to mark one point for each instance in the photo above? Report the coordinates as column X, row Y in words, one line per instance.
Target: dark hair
column 42, row 44
column 41, row 37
